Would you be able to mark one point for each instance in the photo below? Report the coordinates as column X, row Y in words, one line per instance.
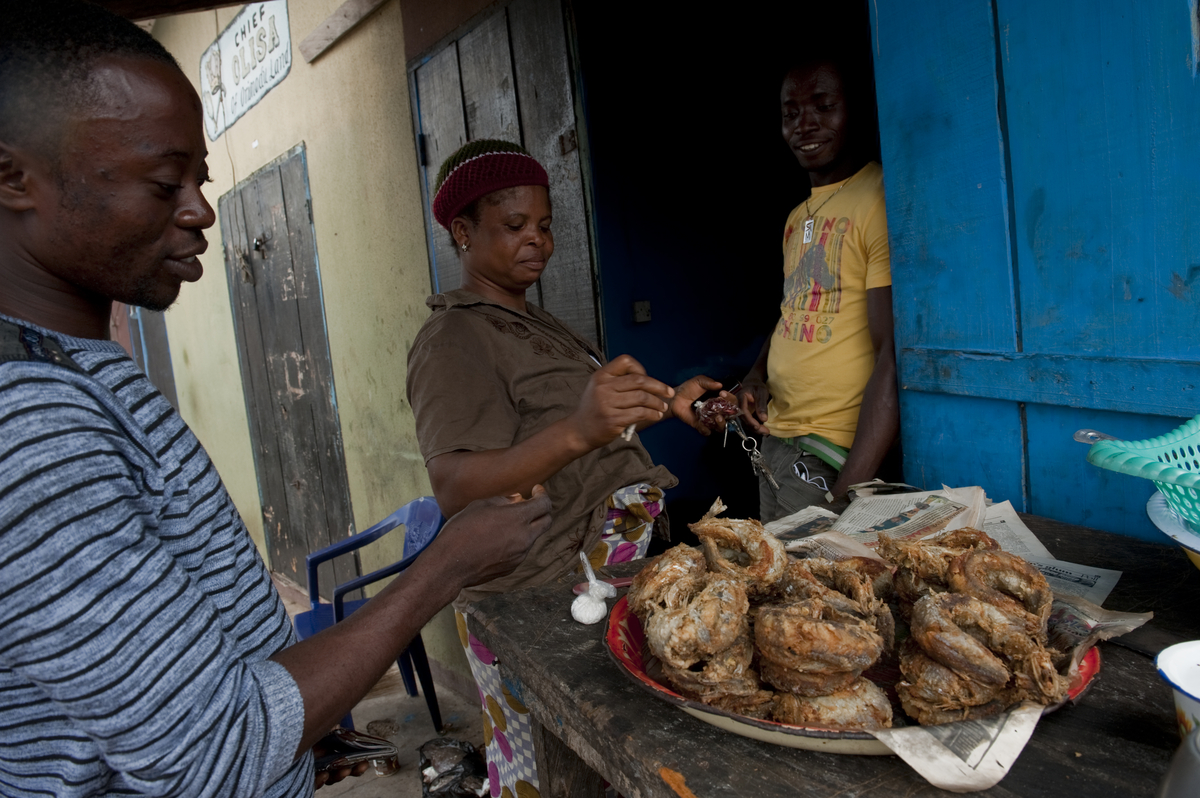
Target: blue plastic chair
column 422, row 520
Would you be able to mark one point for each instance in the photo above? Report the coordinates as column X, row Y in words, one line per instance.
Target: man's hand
column 838, row 505
column 490, row 537
column 686, row 395
column 321, row 778
column 618, row 396
column 753, row 400
column 754, row 396
column 336, row 667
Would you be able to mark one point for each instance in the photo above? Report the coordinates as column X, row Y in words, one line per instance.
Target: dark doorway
column 275, row 288
column 692, row 184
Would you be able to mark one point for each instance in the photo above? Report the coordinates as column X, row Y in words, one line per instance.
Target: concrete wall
column 351, row 109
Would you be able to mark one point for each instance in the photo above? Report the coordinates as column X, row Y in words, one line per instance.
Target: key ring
column 750, row 447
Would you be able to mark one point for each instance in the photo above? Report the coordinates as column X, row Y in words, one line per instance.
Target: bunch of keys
column 749, row 445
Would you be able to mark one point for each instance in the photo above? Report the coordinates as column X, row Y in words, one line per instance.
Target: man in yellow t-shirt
column 823, row 391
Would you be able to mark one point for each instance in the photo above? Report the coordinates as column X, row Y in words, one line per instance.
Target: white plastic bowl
column 1174, row 526
column 1179, row 666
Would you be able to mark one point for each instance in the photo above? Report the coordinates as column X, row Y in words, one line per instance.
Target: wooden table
column 592, row 721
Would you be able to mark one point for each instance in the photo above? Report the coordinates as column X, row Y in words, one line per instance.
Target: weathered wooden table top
column 1117, row 740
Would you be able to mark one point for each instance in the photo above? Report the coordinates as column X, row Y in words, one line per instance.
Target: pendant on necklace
column 808, row 231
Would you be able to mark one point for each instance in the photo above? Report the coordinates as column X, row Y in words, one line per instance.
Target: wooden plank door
column 442, row 130
column 275, row 288
column 1041, row 172
column 508, row 77
column 143, row 334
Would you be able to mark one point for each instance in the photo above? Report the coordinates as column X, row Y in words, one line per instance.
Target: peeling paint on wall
column 1194, row 15
column 1180, row 287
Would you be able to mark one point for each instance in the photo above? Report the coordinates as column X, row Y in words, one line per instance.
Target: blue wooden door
column 1042, row 168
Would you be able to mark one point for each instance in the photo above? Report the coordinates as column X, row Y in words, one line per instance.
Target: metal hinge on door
column 421, row 149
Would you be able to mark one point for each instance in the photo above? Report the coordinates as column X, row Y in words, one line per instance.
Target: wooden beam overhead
column 338, row 24
column 152, row 9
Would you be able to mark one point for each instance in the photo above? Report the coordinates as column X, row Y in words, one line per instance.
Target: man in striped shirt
column 144, row 650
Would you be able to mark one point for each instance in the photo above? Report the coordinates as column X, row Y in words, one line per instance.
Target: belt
column 820, row 446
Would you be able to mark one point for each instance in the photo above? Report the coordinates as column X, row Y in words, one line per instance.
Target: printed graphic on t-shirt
column 812, row 291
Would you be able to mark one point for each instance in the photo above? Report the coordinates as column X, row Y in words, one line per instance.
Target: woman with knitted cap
column 507, row 397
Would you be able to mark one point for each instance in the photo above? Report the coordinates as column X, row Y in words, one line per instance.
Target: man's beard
column 144, row 296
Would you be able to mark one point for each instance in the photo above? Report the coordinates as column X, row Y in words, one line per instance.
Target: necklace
column 809, row 223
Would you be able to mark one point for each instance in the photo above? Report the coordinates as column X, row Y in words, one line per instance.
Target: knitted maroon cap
column 478, row 168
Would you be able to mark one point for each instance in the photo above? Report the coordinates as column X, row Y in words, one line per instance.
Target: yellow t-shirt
column 821, row 355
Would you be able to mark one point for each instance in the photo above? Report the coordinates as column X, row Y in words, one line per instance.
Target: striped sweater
column 137, row 614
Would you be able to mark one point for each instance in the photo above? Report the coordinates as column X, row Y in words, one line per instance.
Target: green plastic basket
column 1171, row 461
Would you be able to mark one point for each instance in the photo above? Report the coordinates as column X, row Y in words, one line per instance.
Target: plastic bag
column 452, row 769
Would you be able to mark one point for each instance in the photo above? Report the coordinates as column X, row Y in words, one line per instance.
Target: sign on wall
column 250, row 57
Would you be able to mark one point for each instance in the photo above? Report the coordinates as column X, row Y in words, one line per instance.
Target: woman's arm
column 616, row 396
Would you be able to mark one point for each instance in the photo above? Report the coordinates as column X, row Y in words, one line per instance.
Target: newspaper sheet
column 881, row 488
column 974, row 499
column 905, row 516
column 1005, row 527
column 1085, row 581
column 830, row 546
column 797, row 526
column 1077, row 624
column 968, row 755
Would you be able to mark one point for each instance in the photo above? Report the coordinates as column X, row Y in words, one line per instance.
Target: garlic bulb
column 588, row 608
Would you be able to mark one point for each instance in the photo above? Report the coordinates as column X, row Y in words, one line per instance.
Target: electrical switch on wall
column 641, row 312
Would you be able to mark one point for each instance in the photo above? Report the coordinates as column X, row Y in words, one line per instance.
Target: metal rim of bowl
column 1163, row 674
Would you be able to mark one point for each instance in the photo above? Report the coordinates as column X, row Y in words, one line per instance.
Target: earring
column 464, row 246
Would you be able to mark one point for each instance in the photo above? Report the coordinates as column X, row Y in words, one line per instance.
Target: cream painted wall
column 351, row 109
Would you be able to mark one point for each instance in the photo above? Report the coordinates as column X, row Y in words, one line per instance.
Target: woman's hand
column 618, row 396
column 686, row 396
